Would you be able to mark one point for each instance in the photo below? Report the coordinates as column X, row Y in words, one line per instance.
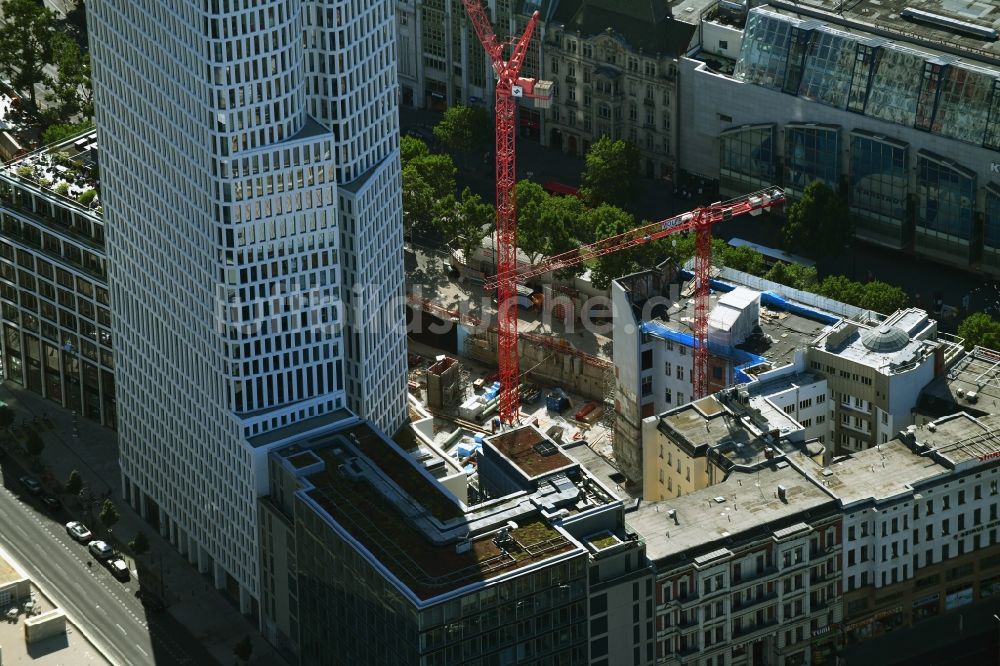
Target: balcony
column 649, row 101
column 750, row 603
column 752, row 629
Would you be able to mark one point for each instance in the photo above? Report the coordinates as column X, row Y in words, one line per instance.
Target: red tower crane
column 510, row 86
column 700, row 221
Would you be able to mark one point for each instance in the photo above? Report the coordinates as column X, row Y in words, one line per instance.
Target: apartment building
column 370, row 557
column 615, row 71
column 57, row 337
column 754, row 325
column 250, row 178
column 747, row 571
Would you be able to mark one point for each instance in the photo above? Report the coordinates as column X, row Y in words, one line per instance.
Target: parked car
column 31, row 483
column 100, row 550
column 79, row 531
column 51, row 502
column 118, row 568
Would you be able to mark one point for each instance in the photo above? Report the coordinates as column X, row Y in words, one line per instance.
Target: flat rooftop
column 894, row 345
column 878, row 473
column 431, row 543
column 733, row 432
column 960, row 439
column 782, row 331
column 65, row 169
column 885, row 15
column 749, row 507
column 977, row 372
column 530, row 451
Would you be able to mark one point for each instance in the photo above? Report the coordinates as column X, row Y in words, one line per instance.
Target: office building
column 892, row 105
column 373, row 554
column 57, row 337
column 250, row 179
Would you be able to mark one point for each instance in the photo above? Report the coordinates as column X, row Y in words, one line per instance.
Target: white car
column 100, row 550
column 78, row 531
column 118, row 568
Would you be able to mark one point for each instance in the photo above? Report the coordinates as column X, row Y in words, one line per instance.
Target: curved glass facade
column 748, row 157
column 991, row 224
column 946, row 197
column 812, row 152
column 879, row 181
column 881, row 79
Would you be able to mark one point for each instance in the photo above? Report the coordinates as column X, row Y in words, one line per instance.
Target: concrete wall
column 46, row 625
column 719, row 39
column 548, row 367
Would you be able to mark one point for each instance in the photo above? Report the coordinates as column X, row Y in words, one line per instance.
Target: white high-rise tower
column 250, row 178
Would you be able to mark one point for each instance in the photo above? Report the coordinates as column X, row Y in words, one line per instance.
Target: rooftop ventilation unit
column 971, row 397
column 953, row 24
column 782, row 493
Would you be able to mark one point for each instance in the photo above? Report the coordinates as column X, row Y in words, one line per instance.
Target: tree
column 71, row 88
column 819, row 224
column 139, row 544
column 531, row 234
column 60, row 131
column 34, row 445
column 108, row 515
column 25, row 34
column 74, row 484
column 607, row 220
column 243, row 649
column 6, row 417
column 793, row 275
column 979, row 329
column 465, row 129
column 411, row 147
column 467, row 223
column 438, row 171
column 882, row 297
column 744, row 259
column 878, row 296
column 611, row 173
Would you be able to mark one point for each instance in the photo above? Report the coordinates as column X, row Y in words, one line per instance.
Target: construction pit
column 453, row 406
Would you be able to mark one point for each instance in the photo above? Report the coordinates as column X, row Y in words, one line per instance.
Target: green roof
column 643, row 24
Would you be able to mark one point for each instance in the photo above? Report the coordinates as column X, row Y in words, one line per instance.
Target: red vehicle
column 560, row 189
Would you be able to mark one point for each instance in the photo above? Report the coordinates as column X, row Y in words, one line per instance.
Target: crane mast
column 509, row 87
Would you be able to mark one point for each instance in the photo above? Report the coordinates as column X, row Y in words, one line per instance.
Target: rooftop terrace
column 67, row 170
column 530, row 451
column 431, row 543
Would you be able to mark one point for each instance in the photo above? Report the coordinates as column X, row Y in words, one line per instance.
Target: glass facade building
column 878, row 78
column 945, row 200
column 878, row 185
column 928, row 183
column 748, row 157
column 811, row 153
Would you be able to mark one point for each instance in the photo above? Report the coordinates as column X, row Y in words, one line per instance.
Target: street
column 105, row 608
column 658, row 201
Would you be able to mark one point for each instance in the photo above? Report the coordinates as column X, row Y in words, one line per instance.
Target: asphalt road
column 106, row 608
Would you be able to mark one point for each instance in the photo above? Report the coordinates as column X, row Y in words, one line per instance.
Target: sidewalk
column 76, row 443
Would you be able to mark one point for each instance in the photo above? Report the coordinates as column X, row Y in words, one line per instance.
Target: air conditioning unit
column 971, row 397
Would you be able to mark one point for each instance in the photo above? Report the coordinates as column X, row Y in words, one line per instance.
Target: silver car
column 78, row 531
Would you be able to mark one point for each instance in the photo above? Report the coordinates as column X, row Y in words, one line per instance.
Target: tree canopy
column 60, row 131
column 607, row 220
column 74, row 483
column 465, row 129
column 611, row 173
column 466, row 222
column 428, row 181
column 71, row 91
column 979, row 329
column 108, row 515
column 411, row 147
column 793, row 275
column 878, row 296
column 25, row 34
column 819, row 224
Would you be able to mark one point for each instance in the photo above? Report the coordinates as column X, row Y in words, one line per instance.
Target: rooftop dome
column 885, row 339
